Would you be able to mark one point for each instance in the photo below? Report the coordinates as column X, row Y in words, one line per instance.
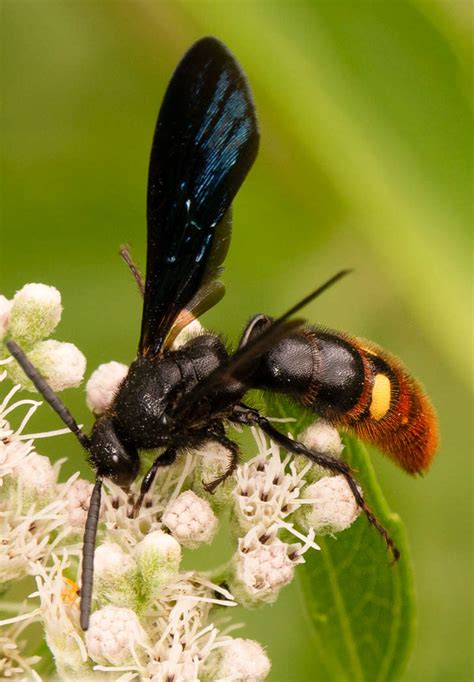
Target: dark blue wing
column 206, row 140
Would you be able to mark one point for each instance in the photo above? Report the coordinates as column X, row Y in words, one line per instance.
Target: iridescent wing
column 205, row 142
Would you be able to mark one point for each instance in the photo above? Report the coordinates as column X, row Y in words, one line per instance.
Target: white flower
column 26, row 538
column 31, row 518
column 59, row 608
column 76, row 494
column 114, row 635
column 5, row 309
column 37, row 478
column 35, row 313
column 111, row 561
column 12, row 452
column 262, row 566
column 103, row 385
column 184, row 643
column 333, row 507
column 115, row 574
column 212, row 461
column 62, row 365
column 268, row 488
column 322, row 437
column 158, row 557
column 242, row 660
column 14, row 446
column 190, row 519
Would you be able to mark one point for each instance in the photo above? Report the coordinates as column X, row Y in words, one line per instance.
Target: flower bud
column 213, row 462
column 35, row 313
column 5, row 309
column 324, row 438
column 103, row 385
column 333, row 509
column 243, row 660
column 260, row 571
column 77, row 497
column 37, row 479
column 115, row 575
column 62, row 365
column 112, row 635
column 190, row 519
column 158, row 558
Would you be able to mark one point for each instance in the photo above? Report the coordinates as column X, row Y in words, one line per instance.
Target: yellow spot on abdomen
column 381, row 392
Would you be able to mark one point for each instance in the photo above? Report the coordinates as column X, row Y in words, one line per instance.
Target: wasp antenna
column 125, row 254
column 314, row 294
column 47, row 392
column 88, row 549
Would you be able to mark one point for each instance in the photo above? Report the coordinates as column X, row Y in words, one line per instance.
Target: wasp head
column 110, row 456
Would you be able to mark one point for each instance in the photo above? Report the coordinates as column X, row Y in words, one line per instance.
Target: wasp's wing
column 205, row 298
column 206, row 140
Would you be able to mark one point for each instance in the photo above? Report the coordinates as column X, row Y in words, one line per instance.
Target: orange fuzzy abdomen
column 393, row 412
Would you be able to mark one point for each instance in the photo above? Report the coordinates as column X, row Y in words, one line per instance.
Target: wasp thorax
column 110, row 456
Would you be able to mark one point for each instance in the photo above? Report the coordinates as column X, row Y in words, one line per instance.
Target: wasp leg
column 233, row 450
column 251, row 417
column 163, row 460
column 134, row 269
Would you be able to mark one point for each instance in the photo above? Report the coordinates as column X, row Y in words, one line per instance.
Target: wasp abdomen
column 322, row 370
column 287, row 367
column 357, row 386
column 394, row 413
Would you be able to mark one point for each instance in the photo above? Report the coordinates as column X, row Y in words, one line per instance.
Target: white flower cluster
column 31, row 316
column 32, row 510
column 150, row 619
column 271, row 498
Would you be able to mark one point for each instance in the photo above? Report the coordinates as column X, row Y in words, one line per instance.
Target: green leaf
column 360, row 607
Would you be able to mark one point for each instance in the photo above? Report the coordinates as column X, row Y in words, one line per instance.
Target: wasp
column 205, row 142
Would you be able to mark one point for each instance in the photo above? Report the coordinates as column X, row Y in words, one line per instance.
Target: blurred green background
column 366, row 162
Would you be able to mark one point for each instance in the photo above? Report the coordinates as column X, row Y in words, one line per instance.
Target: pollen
column 70, row 593
column 381, row 394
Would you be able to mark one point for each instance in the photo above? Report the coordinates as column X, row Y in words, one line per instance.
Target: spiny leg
column 134, row 269
column 247, row 415
column 163, row 460
column 233, row 449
